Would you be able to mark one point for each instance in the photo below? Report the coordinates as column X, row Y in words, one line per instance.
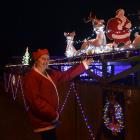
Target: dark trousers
column 48, row 135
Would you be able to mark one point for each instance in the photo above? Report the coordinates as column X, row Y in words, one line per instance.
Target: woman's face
column 43, row 61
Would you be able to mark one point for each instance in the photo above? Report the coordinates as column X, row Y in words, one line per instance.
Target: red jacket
column 41, row 95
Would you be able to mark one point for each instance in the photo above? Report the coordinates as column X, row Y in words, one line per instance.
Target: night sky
column 42, row 24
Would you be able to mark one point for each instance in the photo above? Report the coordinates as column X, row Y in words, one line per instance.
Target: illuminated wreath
column 113, row 120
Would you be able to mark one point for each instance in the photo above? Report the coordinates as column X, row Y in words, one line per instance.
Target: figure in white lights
column 70, row 49
column 99, row 43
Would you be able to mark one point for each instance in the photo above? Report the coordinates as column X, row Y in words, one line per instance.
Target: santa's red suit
column 42, row 95
column 119, row 30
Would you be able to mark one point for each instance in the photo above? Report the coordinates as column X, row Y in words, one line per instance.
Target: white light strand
column 15, row 84
column 67, row 63
column 7, row 82
column 22, row 92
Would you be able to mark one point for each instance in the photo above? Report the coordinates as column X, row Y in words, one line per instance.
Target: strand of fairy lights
column 85, row 118
column 7, row 82
column 65, row 100
column 22, row 92
column 72, row 86
column 66, row 63
column 109, row 123
column 15, row 85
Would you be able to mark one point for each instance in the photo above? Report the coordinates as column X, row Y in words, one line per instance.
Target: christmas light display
column 14, row 84
column 85, row 118
column 134, row 29
column 91, row 48
column 65, row 100
column 113, row 117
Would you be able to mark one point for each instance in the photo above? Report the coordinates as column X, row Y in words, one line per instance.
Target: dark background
column 42, row 24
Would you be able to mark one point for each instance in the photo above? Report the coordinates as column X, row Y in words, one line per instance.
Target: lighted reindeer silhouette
column 90, row 46
column 100, row 41
column 70, row 50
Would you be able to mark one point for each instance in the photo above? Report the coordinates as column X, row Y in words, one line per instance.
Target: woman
column 40, row 89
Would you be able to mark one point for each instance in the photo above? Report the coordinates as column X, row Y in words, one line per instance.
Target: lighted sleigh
column 98, row 45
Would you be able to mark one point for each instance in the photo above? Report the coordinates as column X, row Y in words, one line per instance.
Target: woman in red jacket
column 40, row 89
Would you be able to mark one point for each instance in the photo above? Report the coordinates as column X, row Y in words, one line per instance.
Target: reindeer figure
column 70, row 50
column 100, row 41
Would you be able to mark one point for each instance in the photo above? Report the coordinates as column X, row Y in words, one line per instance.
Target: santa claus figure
column 118, row 29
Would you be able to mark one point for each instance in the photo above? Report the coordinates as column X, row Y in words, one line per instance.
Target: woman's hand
column 87, row 62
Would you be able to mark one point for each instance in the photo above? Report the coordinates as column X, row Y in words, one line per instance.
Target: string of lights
column 25, row 103
column 15, row 84
column 65, row 100
column 85, row 118
column 7, row 82
column 113, row 121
